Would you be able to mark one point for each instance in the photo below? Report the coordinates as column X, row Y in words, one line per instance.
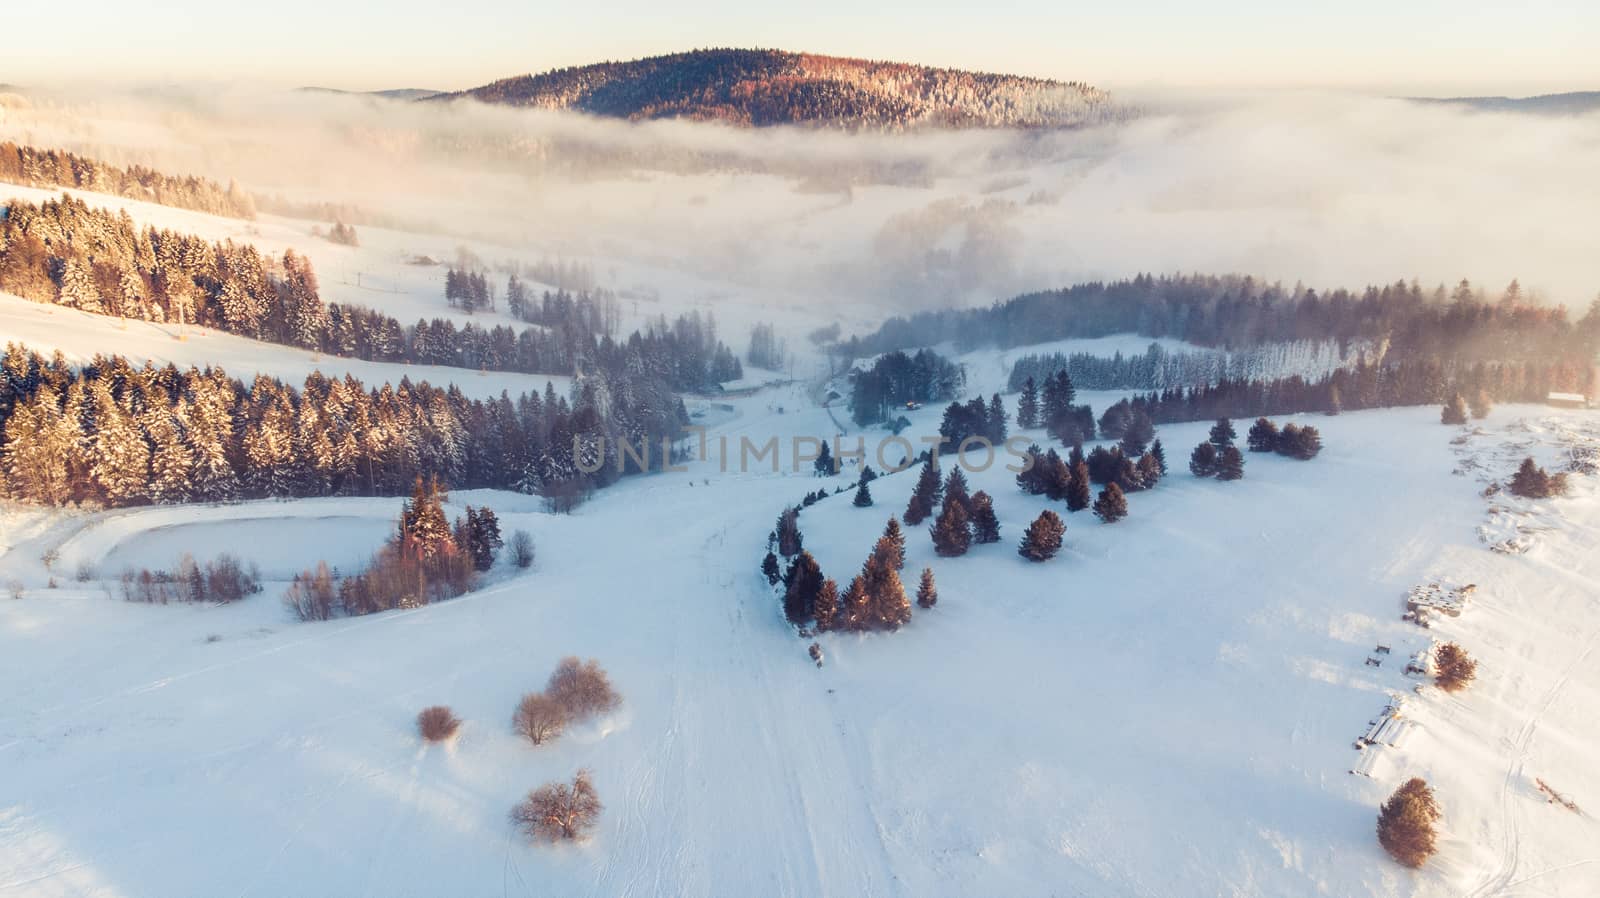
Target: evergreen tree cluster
column 896, row 379
column 44, row 168
column 468, row 291
column 1218, row 456
column 1064, row 421
column 113, row 434
column 1455, row 328
column 65, row 253
column 974, row 419
column 766, row 348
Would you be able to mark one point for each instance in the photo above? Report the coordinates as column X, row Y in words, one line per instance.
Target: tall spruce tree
column 952, row 535
column 801, row 585
column 790, row 542
column 1222, row 433
column 985, row 525
column 955, row 488
column 1028, row 406
column 925, row 497
column 1406, row 823
column 1160, row 455
column 825, row 609
column 897, row 541
column 1455, row 411
column 927, row 593
column 1078, row 491
column 1230, row 464
column 1203, row 460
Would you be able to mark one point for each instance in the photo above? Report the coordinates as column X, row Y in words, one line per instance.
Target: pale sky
column 1412, row 46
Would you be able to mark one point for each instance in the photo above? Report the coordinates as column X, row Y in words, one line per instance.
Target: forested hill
column 771, row 87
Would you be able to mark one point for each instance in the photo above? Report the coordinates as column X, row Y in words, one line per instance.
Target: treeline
column 111, row 433
column 64, row 252
column 1367, row 385
column 1157, row 368
column 897, row 378
column 1462, row 326
column 58, row 168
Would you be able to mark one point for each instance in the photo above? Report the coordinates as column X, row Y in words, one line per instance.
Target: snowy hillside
column 1166, row 708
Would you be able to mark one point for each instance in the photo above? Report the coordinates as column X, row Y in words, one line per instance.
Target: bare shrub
column 539, row 718
column 1405, row 824
column 224, row 580
column 1455, row 668
column 582, row 688
column 522, row 549
column 15, row 589
column 558, row 812
column 312, row 594
column 84, row 573
column 437, row 723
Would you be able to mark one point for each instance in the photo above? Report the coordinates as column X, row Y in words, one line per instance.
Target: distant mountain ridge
column 398, row 93
column 758, row 88
column 1572, row 103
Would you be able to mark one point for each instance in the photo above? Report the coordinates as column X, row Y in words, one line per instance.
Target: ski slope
column 1165, row 709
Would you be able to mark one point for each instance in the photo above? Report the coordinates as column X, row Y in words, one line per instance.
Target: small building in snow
column 1567, row 400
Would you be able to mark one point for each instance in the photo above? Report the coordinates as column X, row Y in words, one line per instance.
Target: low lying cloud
column 1332, row 190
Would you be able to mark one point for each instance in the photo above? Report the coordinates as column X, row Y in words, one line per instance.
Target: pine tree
column 1230, row 465
column 927, row 594
column 855, row 606
column 985, row 525
column 1042, row 540
column 1406, row 823
column 1031, row 478
column 1481, row 404
column 1160, row 455
column 890, row 608
column 801, row 585
column 826, row 607
column 863, row 495
column 925, row 497
column 1148, row 470
column 770, row 570
column 951, row 533
column 1263, row 436
column 996, row 430
column 1530, row 481
column 1078, row 492
column 955, row 489
column 1203, row 460
column 1111, row 506
column 790, row 541
column 1055, row 478
column 896, row 541
column 1138, row 434
column 1455, row 411
column 1222, row 433
column 1028, row 406
column 484, row 530
column 823, row 466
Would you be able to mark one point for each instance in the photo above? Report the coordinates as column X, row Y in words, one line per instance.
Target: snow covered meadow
column 1166, row 708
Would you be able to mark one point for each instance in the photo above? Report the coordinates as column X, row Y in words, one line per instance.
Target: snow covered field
column 1165, row 709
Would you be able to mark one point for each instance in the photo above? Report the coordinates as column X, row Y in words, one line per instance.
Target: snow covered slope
column 1165, row 709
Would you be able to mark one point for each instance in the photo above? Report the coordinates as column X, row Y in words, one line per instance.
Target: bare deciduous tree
column 556, row 811
column 539, row 717
column 437, row 723
column 582, row 688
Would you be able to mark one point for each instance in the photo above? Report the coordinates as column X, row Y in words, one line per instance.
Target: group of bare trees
column 577, row 691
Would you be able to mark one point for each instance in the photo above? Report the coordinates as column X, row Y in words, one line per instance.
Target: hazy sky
column 1418, row 46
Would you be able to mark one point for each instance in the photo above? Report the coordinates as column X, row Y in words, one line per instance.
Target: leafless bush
column 522, row 549
column 15, row 589
column 582, row 688
column 312, row 594
column 559, row 812
column 222, row 580
column 85, row 572
column 539, row 718
column 437, row 723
